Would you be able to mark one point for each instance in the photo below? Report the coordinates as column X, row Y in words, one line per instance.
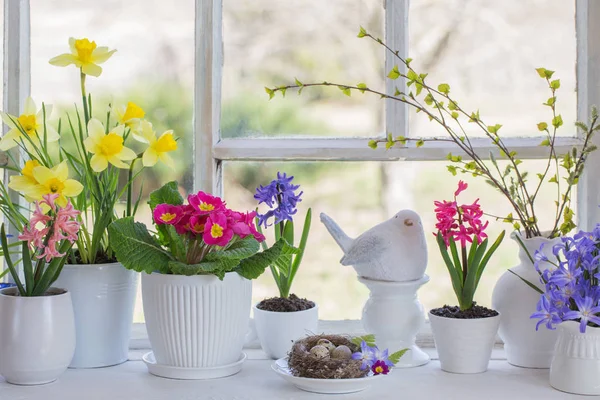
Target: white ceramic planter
column 576, row 363
column 37, row 336
column 464, row 345
column 277, row 331
column 196, row 321
column 394, row 315
column 103, row 300
column 516, row 301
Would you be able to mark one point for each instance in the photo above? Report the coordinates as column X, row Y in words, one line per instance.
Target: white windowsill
column 131, row 381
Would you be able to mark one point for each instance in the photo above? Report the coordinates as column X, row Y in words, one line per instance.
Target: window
column 206, row 77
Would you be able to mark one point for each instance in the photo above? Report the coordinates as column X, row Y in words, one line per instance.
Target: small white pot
column 277, row 331
column 103, row 300
column 464, row 345
column 196, row 321
column 37, row 336
column 576, row 363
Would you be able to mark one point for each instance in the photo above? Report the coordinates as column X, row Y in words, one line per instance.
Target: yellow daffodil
column 38, row 180
column 107, row 148
column 31, row 122
column 25, row 182
column 130, row 116
column 85, row 55
column 157, row 147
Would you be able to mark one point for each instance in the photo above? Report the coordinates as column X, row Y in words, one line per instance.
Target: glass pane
column 268, row 43
column 359, row 196
column 488, row 52
column 153, row 67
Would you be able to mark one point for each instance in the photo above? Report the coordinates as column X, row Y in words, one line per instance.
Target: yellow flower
column 38, row 180
column 107, row 148
column 85, row 55
column 31, row 122
column 157, row 148
column 130, row 116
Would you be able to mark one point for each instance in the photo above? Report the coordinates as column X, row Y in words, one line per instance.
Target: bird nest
column 305, row 365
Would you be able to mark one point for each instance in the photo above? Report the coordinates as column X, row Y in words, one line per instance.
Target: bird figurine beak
column 408, row 222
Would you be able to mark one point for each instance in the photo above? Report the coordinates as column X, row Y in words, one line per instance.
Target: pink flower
column 167, row 214
column 197, row 223
column 183, row 226
column 216, row 231
column 461, row 187
column 205, row 203
column 249, row 218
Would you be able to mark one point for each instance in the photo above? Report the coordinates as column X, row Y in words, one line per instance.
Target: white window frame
column 211, row 150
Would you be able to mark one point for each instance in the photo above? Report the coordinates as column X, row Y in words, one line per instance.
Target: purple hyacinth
column 281, row 197
column 572, row 289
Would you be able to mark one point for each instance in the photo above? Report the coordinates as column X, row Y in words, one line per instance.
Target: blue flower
column 366, row 354
column 281, row 197
column 585, row 313
column 547, row 314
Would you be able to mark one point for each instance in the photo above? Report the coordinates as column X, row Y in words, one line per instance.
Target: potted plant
column 464, row 335
column 571, row 301
column 524, row 346
column 197, row 286
column 279, row 321
column 37, row 334
column 101, row 156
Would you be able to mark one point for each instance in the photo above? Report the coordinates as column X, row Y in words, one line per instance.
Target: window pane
column 359, row 196
column 153, row 67
column 268, row 43
column 488, row 52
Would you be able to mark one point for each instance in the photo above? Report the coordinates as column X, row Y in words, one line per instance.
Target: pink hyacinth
column 45, row 231
column 461, row 223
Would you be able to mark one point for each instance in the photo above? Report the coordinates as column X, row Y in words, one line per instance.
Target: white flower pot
column 576, row 363
column 196, row 321
column 37, row 336
column 394, row 315
column 464, row 345
column 103, row 300
column 277, row 331
column 516, row 301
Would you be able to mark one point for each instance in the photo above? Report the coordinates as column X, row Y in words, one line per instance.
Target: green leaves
column 493, row 129
column 545, row 142
column 419, row 143
column 557, row 121
column 542, row 126
column 253, row 267
column 544, row 73
column 444, row 88
column 362, row 32
column 555, row 84
column 394, row 73
column 368, row 339
column 345, row 90
column 373, row 144
column 135, row 248
column 167, row 194
column 362, row 87
column 270, row 92
column 241, row 248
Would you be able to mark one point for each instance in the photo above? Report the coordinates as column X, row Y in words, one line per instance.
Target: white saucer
column 168, row 371
column 326, row 386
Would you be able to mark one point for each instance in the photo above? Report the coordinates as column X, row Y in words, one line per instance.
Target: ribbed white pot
column 196, row 321
column 464, row 345
column 103, row 300
column 277, row 331
column 37, row 336
column 516, row 301
column 576, row 363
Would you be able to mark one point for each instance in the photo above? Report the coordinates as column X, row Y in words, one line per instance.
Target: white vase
column 196, row 321
column 37, row 336
column 103, row 301
column 576, row 363
column 464, row 346
column 516, row 301
column 277, row 331
column 394, row 315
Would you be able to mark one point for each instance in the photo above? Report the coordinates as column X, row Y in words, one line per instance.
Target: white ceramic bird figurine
column 394, row 250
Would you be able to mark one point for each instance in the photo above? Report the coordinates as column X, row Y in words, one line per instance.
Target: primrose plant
column 282, row 197
column 466, row 264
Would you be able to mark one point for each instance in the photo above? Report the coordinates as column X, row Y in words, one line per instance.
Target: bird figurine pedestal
column 394, row 315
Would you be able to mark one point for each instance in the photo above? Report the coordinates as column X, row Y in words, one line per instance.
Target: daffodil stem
column 84, row 96
column 130, row 187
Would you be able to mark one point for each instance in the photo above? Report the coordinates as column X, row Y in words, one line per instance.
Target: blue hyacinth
column 281, row 197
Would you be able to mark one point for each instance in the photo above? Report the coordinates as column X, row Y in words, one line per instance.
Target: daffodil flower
column 25, row 182
column 107, row 147
column 157, row 147
column 85, row 55
column 39, row 181
column 31, row 122
column 130, row 116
